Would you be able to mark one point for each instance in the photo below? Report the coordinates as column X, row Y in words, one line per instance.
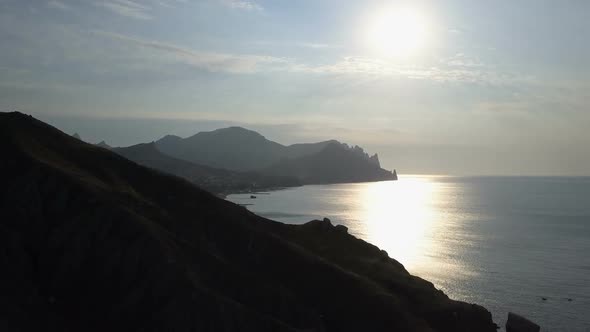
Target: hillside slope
column 212, row 179
column 91, row 241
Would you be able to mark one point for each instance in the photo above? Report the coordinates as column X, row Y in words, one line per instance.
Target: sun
column 398, row 32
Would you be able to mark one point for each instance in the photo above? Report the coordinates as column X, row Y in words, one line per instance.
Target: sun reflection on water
column 399, row 218
column 414, row 219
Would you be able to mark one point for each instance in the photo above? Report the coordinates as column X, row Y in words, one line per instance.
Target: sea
column 511, row 244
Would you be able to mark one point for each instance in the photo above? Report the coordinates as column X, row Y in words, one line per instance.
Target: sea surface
column 519, row 244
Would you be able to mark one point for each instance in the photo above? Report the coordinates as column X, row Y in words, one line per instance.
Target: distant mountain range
column 237, row 148
column 240, row 149
column 237, row 159
column 91, row 241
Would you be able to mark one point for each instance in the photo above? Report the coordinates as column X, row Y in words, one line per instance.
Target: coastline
column 443, row 221
column 258, row 191
column 267, row 190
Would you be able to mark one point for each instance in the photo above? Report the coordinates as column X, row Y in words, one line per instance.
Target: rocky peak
column 374, row 159
column 104, row 144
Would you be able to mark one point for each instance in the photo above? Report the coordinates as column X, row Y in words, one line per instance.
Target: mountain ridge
column 241, row 149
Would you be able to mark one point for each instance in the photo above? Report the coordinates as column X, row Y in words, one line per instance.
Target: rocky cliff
column 336, row 163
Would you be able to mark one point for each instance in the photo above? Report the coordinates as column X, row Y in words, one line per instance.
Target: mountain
column 336, row 163
column 241, row 149
column 104, row 145
column 213, row 179
column 91, row 241
column 232, row 148
column 305, row 149
column 148, row 155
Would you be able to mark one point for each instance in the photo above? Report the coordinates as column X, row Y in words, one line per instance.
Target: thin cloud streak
column 453, row 72
column 311, row 45
column 214, row 62
column 58, row 5
column 126, row 8
column 242, row 4
column 170, row 3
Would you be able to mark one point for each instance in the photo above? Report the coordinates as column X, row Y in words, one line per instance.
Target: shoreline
column 303, row 197
column 268, row 190
column 259, row 191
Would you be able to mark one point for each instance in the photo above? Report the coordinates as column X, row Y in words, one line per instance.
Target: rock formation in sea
column 517, row 323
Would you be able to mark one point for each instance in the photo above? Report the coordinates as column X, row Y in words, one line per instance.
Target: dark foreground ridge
column 91, row 241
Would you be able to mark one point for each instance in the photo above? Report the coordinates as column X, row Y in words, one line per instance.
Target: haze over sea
column 517, row 244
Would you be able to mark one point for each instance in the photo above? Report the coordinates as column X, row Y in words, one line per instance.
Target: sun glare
column 398, row 32
column 399, row 215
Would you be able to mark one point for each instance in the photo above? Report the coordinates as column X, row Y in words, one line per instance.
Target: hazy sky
column 486, row 87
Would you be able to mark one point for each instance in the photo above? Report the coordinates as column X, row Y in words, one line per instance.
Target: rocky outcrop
column 517, row 323
column 104, row 145
column 374, row 159
column 336, row 163
column 91, row 241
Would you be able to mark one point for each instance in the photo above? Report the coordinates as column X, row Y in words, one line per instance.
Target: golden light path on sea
column 398, row 216
column 417, row 219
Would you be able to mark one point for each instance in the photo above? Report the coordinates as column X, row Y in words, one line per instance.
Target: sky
column 461, row 87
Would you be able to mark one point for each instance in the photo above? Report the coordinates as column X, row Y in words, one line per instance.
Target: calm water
column 503, row 242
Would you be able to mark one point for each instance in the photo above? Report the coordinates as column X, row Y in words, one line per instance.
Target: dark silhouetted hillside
column 213, row 179
column 336, row 163
column 91, row 241
column 233, row 148
column 305, row 149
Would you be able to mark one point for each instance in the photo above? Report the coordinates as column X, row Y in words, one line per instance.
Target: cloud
column 242, row 4
column 457, row 69
column 316, row 45
column 311, row 45
column 58, row 5
column 211, row 61
column 126, row 8
column 170, row 3
column 448, row 71
column 461, row 60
